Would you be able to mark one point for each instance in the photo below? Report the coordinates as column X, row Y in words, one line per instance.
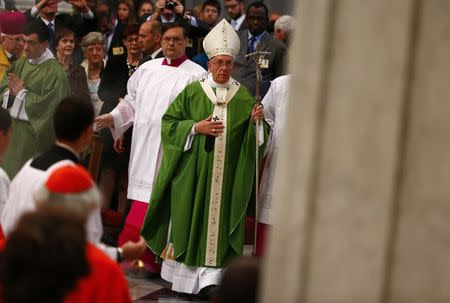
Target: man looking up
column 236, row 9
column 150, row 40
column 33, row 88
column 150, row 90
column 207, row 172
column 12, row 25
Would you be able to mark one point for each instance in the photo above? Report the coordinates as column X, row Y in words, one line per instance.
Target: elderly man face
column 221, row 67
column 174, row 43
column 13, row 44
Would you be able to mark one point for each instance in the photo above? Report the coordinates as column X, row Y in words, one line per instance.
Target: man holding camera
column 174, row 11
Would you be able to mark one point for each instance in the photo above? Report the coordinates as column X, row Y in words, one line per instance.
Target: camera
column 170, row 5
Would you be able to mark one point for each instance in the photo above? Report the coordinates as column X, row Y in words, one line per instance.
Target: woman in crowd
column 113, row 86
column 125, row 12
column 145, row 8
column 65, row 44
column 93, row 45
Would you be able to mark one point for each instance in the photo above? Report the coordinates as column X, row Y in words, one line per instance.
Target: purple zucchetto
column 12, row 23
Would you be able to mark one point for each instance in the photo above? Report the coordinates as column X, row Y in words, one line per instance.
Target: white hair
column 80, row 202
column 285, row 23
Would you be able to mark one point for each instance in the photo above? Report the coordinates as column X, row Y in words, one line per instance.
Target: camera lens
column 170, row 5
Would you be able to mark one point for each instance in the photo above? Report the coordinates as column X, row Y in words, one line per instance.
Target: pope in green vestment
column 46, row 85
column 182, row 192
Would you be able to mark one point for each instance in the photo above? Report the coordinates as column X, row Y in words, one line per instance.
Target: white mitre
column 222, row 40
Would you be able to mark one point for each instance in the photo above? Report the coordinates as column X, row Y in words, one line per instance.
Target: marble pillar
column 362, row 207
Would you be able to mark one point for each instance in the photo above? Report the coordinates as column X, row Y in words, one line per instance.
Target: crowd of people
column 171, row 93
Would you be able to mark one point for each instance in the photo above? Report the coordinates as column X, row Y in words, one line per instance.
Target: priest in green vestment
column 30, row 90
column 195, row 220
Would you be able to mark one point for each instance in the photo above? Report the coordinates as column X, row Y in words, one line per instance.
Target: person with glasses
column 12, row 25
column 195, row 220
column 113, row 86
column 150, row 90
column 236, row 11
column 32, row 89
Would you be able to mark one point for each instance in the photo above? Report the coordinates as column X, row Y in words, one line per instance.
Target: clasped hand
column 15, row 84
column 209, row 127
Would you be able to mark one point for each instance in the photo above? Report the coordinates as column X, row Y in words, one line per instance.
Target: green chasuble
column 183, row 186
column 47, row 85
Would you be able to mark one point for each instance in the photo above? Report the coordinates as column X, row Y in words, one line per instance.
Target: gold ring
column 213, row 130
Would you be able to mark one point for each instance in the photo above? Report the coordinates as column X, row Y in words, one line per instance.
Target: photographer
column 174, row 11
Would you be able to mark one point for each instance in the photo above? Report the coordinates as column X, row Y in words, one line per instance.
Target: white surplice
column 4, row 188
column 275, row 106
column 150, row 90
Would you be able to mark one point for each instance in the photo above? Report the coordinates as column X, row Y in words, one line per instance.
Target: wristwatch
column 120, row 256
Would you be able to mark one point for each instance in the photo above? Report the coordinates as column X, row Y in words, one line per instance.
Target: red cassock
column 105, row 283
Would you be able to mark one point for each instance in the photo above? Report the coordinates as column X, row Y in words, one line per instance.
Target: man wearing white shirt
column 150, row 90
column 31, row 98
column 236, row 9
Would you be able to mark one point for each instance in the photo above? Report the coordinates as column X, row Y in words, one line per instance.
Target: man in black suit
column 112, row 29
column 236, row 9
column 45, row 10
column 150, row 34
column 244, row 71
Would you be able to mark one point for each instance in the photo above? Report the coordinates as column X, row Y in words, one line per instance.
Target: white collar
column 47, row 22
column 8, row 54
column 44, row 57
column 165, row 20
column 65, row 146
column 239, row 22
column 214, row 84
column 153, row 55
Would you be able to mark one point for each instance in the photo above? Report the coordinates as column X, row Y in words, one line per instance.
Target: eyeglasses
column 31, row 42
column 94, row 48
column 172, row 39
column 220, row 64
column 16, row 39
column 231, row 6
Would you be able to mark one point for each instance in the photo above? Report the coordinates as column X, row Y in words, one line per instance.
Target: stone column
column 363, row 203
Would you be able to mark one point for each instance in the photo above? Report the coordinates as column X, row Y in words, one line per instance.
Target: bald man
column 150, row 34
